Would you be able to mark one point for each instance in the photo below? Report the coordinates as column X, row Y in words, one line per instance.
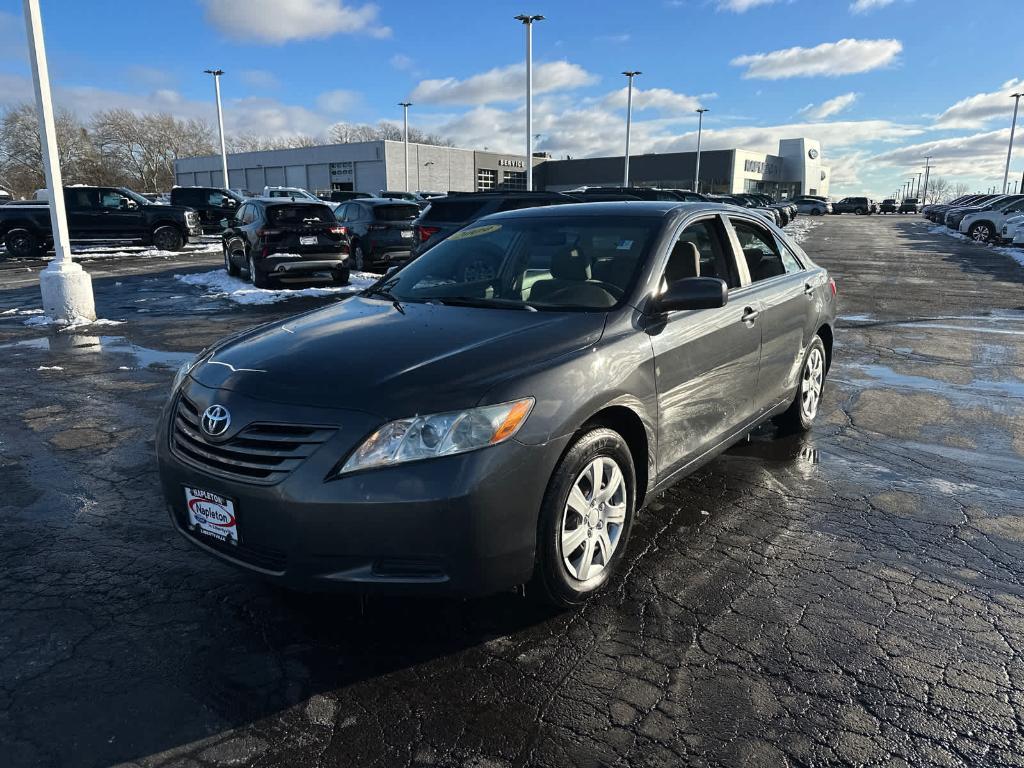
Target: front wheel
column 168, row 238
column 980, row 232
column 800, row 415
column 585, row 519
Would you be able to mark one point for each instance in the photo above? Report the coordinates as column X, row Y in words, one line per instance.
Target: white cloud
column 975, row 111
column 502, row 84
column 830, row 107
column 974, row 155
column 259, row 78
column 863, row 6
column 660, row 99
column 845, row 57
column 338, row 101
column 401, row 62
column 741, row 6
column 277, row 22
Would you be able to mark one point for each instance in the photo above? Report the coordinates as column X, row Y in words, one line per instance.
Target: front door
column 120, row 217
column 706, row 361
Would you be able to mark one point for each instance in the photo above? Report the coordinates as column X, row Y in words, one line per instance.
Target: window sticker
column 475, row 232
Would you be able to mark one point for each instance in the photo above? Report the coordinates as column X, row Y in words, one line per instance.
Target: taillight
column 425, row 233
column 832, row 286
column 338, row 230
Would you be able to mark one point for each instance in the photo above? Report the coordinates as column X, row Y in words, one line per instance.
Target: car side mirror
column 693, row 293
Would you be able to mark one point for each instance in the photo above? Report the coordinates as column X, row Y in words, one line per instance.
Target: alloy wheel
column 592, row 521
column 812, row 383
column 980, row 234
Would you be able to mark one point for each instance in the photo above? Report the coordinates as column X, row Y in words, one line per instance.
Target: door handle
column 808, row 289
column 749, row 315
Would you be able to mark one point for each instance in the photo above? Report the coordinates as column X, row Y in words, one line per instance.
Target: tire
column 557, row 575
column 22, row 244
column 357, row 256
column 257, row 277
column 231, row 267
column 815, row 211
column 800, row 415
column 981, row 232
column 859, row 211
column 341, row 276
column 168, row 238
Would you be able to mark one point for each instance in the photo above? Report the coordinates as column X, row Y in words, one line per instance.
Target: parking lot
column 854, row 597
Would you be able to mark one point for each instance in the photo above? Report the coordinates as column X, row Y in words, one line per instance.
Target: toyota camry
column 497, row 412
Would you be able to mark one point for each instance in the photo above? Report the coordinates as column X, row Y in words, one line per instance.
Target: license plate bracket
column 211, row 515
column 308, row 240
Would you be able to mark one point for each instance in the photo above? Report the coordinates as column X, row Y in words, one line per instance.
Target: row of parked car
column 983, row 218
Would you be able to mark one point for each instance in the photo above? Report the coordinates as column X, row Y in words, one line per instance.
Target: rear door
column 83, row 211
column 788, row 309
column 706, row 360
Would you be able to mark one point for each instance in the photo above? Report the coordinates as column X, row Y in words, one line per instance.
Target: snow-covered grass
column 1017, row 254
column 82, row 253
column 39, row 320
column 800, row 228
column 219, row 285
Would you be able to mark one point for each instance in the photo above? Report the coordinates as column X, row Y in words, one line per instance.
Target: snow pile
column 219, row 285
column 1017, row 254
column 49, row 368
column 799, row 229
column 19, row 311
column 73, row 324
column 141, row 251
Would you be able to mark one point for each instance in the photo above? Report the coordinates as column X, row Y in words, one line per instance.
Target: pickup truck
column 98, row 214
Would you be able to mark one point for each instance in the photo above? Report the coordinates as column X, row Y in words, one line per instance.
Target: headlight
column 440, row 434
column 183, row 371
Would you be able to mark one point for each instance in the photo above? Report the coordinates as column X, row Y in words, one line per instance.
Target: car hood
column 367, row 354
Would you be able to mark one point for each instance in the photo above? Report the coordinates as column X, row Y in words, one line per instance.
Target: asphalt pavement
column 852, row 597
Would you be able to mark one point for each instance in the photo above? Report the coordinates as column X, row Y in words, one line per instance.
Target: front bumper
column 463, row 525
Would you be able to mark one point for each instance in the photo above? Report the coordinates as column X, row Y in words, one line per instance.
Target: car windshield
column 297, row 215
column 563, row 263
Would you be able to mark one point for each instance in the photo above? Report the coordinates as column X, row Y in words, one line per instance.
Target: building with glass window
column 373, row 166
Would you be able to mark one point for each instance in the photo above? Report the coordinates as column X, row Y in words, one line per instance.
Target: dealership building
column 372, row 166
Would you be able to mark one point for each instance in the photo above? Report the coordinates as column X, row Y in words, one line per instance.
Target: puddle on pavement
column 976, row 388
column 79, row 343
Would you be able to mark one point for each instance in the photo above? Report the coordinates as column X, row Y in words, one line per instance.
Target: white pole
column 1013, row 127
column 220, row 124
column 405, row 120
column 528, row 20
column 629, row 117
column 66, row 288
column 700, row 125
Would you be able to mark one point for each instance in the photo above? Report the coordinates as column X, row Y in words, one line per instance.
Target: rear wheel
column 256, row 276
column 357, row 256
column 168, row 238
column 341, row 276
column 800, row 415
column 22, row 244
column 859, row 211
column 585, row 519
column 234, row 254
column 815, row 211
column 981, row 232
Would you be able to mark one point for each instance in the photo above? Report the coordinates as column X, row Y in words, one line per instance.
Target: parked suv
column 984, row 225
column 910, row 205
column 955, row 215
column 811, row 205
column 274, row 239
column 341, row 195
column 858, row 205
column 380, row 231
column 213, row 204
column 101, row 214
column 889, row 205
column 450, row 214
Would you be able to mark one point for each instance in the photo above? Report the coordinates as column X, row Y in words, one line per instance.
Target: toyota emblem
column 216, row 420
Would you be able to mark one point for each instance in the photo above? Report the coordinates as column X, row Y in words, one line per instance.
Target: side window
column 789, row 259
column 759, row 249
column 111, row 198
column 80, row 199
column 341, row 214
column 216, row 199
column 243, row 215
column 699, row 252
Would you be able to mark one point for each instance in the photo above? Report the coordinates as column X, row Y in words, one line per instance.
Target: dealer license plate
column 308, row 240
column 407, row 234
column 211, row 514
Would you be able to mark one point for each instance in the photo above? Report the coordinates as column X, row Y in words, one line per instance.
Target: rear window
column 454, row 210
column 297, row 215
column 395, row 212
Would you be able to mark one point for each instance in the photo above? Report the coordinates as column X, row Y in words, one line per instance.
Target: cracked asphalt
column 852, row 597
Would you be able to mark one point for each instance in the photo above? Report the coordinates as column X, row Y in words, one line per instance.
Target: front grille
column 261, row 453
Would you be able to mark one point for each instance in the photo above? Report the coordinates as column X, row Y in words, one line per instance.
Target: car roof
column 381, row 201
column 285, row 201
column 640, row 208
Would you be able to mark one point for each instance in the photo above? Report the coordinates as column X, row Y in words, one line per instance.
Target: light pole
column 927, row 173
column 405, row 121
column 220, row 123
column 630, row 74
column 527, row 21
column 918, row 188
column 700, row 126
column 66, row 288
column 1013, row 127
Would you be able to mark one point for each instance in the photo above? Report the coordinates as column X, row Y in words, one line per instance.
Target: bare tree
column 958, row 190
column 349, row 133
column 249, row 141
column 21, row 153
column 938, row 189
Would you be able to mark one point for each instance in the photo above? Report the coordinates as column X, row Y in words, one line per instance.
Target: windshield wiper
column 478, row 301
column 383, row 289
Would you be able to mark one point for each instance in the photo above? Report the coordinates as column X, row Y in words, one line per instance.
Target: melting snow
column 220, row 285
column 78, row 322
column 800, row 228
column 1017, row 254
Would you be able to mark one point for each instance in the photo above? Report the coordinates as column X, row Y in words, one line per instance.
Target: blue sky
column 880, row 83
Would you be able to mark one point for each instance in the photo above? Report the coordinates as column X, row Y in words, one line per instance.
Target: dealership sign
column 512, row 163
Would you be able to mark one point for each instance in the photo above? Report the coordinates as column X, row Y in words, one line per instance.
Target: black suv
column 213, row 204
column 98, row 214
column 380, row 231
column 278, row 239
column 858, row 205
column 445, row 216
column 889, row 205
column 342, row 195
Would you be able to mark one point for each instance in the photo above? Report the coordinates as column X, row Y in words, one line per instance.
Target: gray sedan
column 499, row 411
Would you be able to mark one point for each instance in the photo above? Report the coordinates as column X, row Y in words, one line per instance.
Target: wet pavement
column 853, row 597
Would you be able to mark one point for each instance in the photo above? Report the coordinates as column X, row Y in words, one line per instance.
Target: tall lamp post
column 1013, row 128
column 630, row 74
column 700, row 126
column 527, row 21
column 220, row 123
column 917, row 190
column 66, row 288
column 927, row 173
column 405, row 132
